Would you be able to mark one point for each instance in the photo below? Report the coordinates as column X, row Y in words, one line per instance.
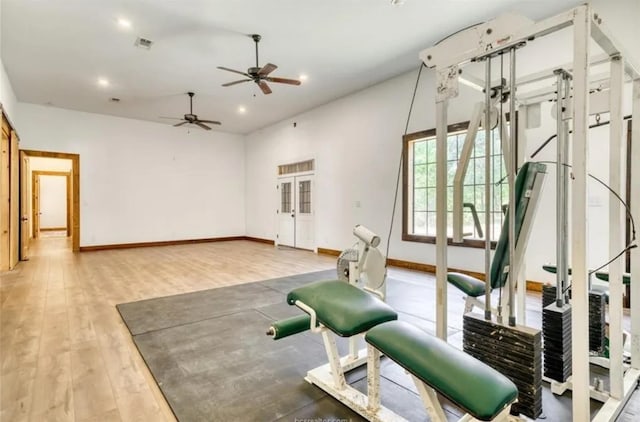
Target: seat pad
column 474, row 386
column 471, row 286
column 343, row 308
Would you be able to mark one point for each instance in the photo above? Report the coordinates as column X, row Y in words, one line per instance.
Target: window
column 304, row 196
column 419, row 217
column 285, row 198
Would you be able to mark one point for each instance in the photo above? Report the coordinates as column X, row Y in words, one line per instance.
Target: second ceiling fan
column 259, row 75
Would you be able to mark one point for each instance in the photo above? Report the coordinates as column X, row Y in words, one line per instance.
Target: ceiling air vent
column 143, row 43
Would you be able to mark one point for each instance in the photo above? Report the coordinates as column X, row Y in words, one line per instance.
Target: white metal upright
column 441, row 219
column 616, row 221
column 635, row 210
column 579, row 215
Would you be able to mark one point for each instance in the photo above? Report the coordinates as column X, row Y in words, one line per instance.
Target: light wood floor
column 66, row 354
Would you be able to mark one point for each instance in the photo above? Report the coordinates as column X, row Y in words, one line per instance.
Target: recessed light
column 124, row 23
column 242, row 109
column 103, row 82
column 303, row 77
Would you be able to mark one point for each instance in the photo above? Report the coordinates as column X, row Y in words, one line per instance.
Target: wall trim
column 535, row 286
column 259, row 240
column 332, row 252
column 94, row 248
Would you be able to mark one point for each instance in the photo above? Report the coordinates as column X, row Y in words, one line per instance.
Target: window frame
column 409, row 237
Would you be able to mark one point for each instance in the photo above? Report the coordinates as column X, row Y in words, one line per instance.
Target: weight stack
column 597, row 323
column 556, row 328
column 512, row 351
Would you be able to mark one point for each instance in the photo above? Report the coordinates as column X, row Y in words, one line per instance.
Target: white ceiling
column 55, row 50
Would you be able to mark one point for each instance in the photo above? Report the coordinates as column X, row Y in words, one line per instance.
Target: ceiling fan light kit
column 259, row 75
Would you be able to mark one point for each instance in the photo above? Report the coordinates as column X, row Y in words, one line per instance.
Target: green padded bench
column 344, row 309
column 525, row 181
column 472, row 385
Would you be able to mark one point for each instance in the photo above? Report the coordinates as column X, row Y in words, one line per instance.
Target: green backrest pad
column 524, row 183
column 474, row 386
column 344, row 309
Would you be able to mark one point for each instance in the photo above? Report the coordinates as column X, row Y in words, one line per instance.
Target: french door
column 295, row 212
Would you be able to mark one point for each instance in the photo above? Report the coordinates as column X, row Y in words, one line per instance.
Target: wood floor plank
column 53, row 390
column 92, row 392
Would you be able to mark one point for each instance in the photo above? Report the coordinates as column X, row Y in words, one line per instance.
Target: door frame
column 24, row 209
column 74, row 178
column 35, row 179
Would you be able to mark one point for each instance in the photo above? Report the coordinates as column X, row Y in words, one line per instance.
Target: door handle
column 293, row 213
column 24, row 219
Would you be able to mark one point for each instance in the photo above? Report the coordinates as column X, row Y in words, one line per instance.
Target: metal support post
column 521, row 147
column 334, row 359
column 487, row 190
column 562, row 271
column 579, row 214
column 373, row 378
column 616, row 219
column 635, row 211
column 441, row 218
column 511, row 173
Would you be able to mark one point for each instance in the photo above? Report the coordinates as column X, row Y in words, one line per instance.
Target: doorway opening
column 50, row 197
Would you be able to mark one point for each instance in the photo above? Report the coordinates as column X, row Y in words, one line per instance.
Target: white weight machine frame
column 511, row 31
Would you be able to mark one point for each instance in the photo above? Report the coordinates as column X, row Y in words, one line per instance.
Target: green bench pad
column 290, row 326
column 471, row 286
column 552, row 268
column 475, row 387
column 344, row 309
column 626, row 277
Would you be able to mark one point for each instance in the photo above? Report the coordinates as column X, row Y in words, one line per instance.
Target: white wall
column 49, row 164
column 356, row 142
column 7, row 96
column 53, row 201
column 143, row 181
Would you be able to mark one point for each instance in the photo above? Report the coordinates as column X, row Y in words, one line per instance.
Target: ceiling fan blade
column 170, row 118
column 236, row 82
column 233, row 70
column 180, row 124
column 264, row 87
column 203, row 126
column 213, row 122
column 284, row 81
column 266, row 69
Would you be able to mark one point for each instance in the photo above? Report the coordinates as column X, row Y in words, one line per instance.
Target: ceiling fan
column 259, row 74
column 192, row 118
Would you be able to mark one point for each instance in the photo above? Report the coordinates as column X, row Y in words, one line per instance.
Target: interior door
column 286, row 212
column 35, row 193
column 24, row 206
column 304, row 222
